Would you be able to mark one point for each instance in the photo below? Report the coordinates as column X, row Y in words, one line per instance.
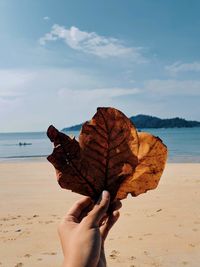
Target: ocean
column 183, row 144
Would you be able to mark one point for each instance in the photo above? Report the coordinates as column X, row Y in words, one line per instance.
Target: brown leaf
column 152, row 157
column 107, row 157
column 110, row 143
column 66, row 158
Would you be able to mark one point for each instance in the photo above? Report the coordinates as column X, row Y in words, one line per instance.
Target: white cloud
column 13, row 82
column 80, row 105
column 34, row 99
column 96, row 94
column 89, row 99
column 60, row 96
column 183, row 67
column 46, row 18
column 92, row 43
column 173, row 87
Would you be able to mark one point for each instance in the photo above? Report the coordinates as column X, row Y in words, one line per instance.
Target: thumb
column 99, row 209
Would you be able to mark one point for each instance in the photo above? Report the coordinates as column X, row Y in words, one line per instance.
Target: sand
column 159, row 228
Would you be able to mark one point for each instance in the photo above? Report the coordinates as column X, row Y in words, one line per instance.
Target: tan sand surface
column 159, row 228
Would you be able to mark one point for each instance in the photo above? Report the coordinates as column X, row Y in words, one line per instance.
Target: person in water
column 84, row 229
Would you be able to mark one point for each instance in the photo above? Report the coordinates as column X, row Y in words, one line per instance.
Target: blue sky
column 60, row 60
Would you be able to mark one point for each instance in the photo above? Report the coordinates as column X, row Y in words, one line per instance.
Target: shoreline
column 22, row 159
column 25, row 159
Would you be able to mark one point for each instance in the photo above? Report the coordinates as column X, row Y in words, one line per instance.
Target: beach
column 159, row 228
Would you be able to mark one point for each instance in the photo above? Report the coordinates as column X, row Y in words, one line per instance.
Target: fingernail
column 105, row 194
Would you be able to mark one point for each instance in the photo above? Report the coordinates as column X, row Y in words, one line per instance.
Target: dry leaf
column 109, row 156
column 152, row 157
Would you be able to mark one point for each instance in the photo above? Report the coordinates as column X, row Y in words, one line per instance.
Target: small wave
column 18, row 144
column 10, row 145
column 24, row 157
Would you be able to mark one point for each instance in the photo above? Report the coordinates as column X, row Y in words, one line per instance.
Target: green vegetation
column 145, row 121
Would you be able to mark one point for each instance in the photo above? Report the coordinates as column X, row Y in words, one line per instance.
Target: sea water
column 183, row 144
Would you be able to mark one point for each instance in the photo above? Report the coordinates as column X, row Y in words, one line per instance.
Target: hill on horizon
column 145, row 121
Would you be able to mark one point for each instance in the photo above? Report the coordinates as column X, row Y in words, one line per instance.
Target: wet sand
column 159, row 228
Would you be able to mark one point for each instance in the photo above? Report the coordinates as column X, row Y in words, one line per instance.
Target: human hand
column 84, row 229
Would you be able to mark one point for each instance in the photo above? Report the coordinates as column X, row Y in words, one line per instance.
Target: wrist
column 67, row 263
column 77, row 263
column 71, row 263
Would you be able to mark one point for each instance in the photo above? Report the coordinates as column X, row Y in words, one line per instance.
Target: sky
column 61, row 59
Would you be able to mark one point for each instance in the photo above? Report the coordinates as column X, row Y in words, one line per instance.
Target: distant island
column 146, row 121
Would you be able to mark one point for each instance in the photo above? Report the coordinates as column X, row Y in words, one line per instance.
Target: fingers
column 99, row 210
column 116, row 205
column 111, row 219
column 105, row 228
column 86, row 211
column 79, row 207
